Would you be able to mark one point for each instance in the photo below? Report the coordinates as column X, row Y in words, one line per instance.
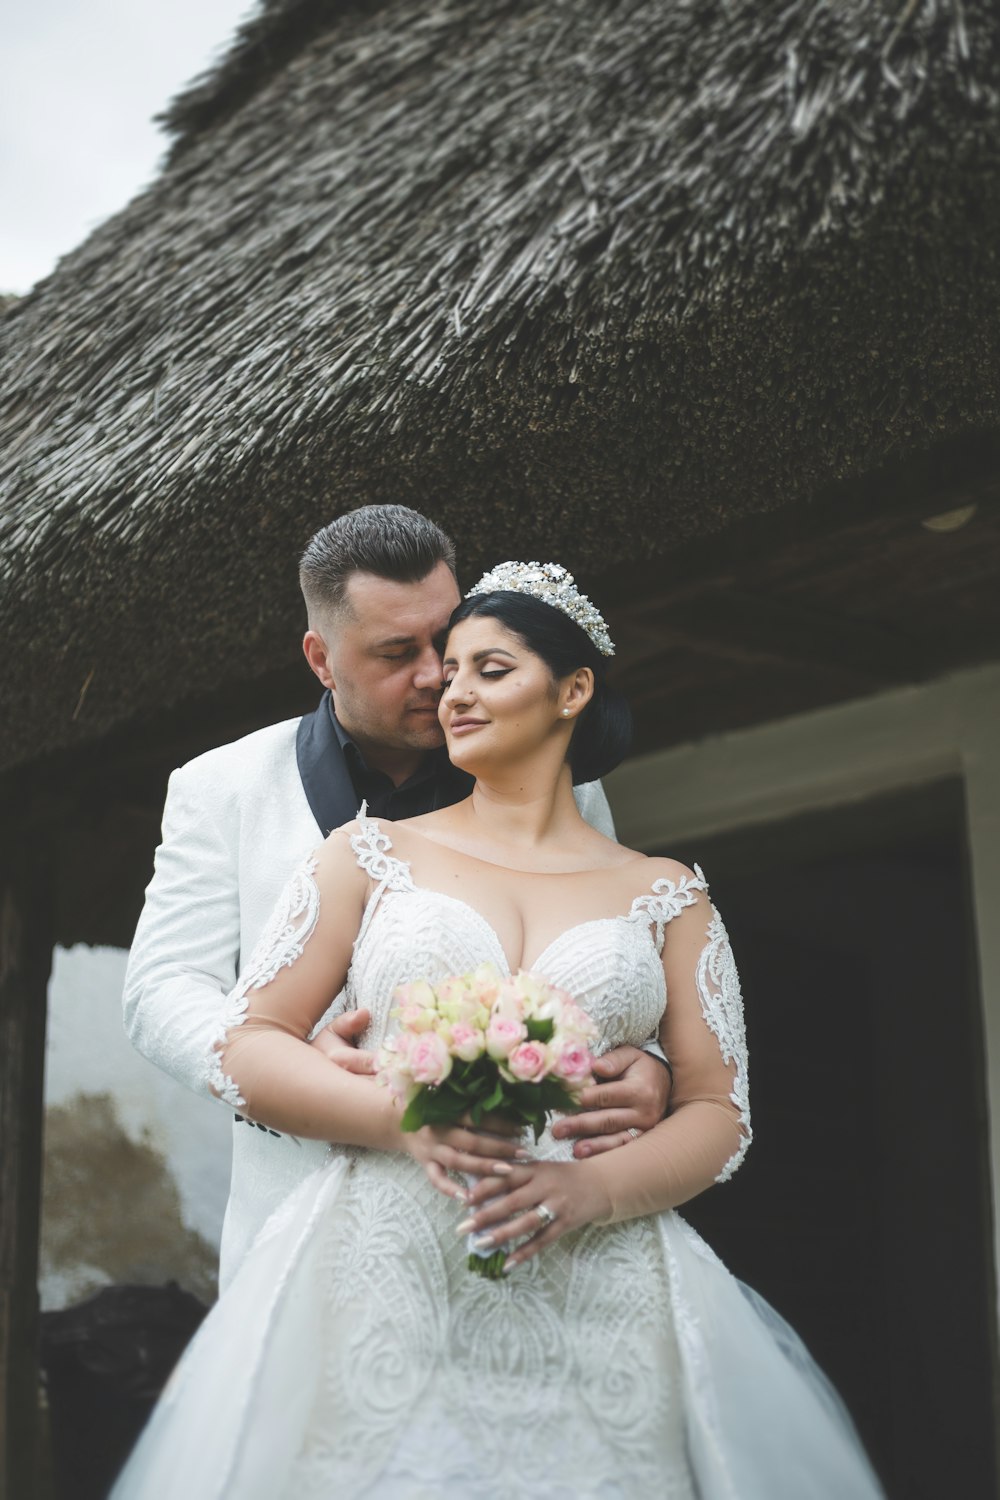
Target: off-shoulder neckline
column 381, row 825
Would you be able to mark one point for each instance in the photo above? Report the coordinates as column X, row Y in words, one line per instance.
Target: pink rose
column 454, row 1001
column 484, row 983
column 451, row 988
column 531, row 990
column 509, row 1005
column 394, row 1070
column 400, row 1084
column 393, row 1051
column 502, row 1035
column 462, row 1006
column 574, row 1064
column 575, row 1022
column 467, row 1042
column 415, row 1017
column 418, row 992
column 428, row 1059
column 529, row 1061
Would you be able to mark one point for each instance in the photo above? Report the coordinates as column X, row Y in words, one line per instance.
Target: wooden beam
column 25, row 963
column 960, row 472
column 757, row 629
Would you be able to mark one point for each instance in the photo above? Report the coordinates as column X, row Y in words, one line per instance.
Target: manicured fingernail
column 583, row 1151
column 465, row 1225
column 484, row 1242
column 503, row 1168
column 507, row 1267
column 521, row 1155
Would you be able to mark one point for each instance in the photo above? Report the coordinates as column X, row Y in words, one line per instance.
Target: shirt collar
column 426, row 768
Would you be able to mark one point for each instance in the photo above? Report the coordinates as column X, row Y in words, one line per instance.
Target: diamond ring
column 633, row 1132
column 545, row 1214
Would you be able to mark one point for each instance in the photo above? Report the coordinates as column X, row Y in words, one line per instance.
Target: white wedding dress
column 354, row 1355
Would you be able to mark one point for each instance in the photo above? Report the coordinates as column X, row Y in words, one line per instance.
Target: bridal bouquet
column 480, row 1044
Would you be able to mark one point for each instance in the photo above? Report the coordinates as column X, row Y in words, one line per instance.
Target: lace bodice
column 611, row 965
column 410, row 931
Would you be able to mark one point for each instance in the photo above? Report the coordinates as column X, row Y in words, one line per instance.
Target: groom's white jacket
column 236, row 824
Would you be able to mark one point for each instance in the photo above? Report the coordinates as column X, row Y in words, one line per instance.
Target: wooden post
column 26, row 926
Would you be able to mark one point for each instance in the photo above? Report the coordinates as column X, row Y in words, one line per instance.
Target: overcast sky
column 81, row 81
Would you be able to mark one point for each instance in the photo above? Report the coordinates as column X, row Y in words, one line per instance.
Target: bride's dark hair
column 602, row 735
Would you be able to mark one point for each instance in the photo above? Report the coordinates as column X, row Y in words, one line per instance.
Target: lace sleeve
column 289, row 928
column 722, row 1008
column 707, row 1133
column 665, row 900
column 266, row 1068
column 716, row 980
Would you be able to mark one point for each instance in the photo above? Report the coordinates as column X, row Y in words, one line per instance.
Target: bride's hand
column 572, row 1194
column 479, row 1152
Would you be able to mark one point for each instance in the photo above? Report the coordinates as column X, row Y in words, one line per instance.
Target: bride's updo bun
column 602, row 736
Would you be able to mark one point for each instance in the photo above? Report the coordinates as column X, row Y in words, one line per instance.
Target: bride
column 354, row 1354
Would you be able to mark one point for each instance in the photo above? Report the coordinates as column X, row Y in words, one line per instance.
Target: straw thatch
column 584, row 277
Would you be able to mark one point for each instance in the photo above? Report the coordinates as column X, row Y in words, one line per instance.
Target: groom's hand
column 339, row 1042
column 631, row 1094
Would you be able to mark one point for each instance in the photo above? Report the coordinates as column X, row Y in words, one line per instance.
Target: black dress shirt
column 336, row 777
column 435, row 782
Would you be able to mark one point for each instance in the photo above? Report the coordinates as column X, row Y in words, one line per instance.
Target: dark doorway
column 864, row 1209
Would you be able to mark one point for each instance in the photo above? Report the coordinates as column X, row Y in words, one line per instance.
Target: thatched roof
column 584, row 277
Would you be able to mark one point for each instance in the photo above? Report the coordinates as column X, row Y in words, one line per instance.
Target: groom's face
column 384, row 655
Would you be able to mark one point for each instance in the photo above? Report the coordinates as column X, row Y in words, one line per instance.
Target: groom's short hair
column 390, row 541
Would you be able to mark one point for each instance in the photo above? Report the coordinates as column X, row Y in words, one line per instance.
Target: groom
column 379, row 585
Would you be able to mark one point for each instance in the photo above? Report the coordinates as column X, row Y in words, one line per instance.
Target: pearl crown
column 552, row 584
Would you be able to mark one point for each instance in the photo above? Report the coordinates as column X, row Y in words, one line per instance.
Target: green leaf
column 429, row 1106
column 540, row 1031
column 495, row 1099
column 413, row 1115
column 478, row 1089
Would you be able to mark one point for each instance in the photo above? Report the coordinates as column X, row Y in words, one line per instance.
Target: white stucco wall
column 832, row 757
column 100, row 1098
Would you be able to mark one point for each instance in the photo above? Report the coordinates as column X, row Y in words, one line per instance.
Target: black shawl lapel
column 324, row 774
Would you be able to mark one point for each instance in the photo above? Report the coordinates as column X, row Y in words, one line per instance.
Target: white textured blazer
column 236, row 825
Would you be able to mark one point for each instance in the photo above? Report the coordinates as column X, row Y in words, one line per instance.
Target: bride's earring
column 565, row 713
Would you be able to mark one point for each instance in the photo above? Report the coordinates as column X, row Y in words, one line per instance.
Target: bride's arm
column 703, row 1139
column 264, row 1066
column 707, row 1133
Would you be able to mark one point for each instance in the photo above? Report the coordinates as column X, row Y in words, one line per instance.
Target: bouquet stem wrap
column 482, row 1262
